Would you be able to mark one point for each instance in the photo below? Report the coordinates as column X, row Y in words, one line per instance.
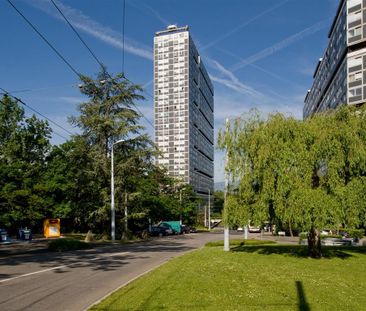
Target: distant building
column 184, row 107
column 340, row 76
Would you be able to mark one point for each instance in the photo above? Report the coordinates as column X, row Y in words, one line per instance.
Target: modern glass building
column 340, row 75
column 184, row 107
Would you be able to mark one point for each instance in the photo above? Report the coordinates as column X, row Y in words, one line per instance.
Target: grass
column 257, row 277
column 65, row 244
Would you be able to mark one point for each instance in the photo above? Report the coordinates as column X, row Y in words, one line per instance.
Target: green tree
column 298, row 174
column 24, row 145
column 108, row 116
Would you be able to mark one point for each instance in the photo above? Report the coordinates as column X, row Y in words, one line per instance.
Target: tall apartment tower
column 184, row 107
column 340, row 75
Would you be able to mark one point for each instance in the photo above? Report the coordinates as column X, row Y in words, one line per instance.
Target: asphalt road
column 75, row 280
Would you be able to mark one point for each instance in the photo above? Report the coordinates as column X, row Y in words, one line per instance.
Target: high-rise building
column 340, row 75
column 184, row 107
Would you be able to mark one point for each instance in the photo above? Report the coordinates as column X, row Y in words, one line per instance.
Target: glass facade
column 183, row 99
column 338, row 77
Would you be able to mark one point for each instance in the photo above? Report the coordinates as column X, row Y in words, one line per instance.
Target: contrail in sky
column 84, row 23
column 224, row 36
column 281, row 45
column 155, row 13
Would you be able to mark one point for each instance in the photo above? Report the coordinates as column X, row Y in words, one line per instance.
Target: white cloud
column 84, row 23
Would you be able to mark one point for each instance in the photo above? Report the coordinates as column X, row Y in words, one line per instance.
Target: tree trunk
column 290, row 228
column 314, row 245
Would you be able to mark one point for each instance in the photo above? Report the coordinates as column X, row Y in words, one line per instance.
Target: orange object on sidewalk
column 51, row 228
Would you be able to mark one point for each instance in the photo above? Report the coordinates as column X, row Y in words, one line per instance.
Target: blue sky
column 259, row 53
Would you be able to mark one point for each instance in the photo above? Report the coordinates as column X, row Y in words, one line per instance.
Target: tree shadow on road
column 106, row 257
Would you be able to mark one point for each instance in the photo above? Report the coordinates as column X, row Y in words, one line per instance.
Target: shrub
column 240, row 243
column 303, row 235
column 355, row 233
column 61, row 245
column 335, row 236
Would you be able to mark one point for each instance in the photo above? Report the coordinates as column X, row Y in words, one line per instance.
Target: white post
column 246, row 232
column 226, row 239
column 209, row 209
column 226, row 228
column 113, row 211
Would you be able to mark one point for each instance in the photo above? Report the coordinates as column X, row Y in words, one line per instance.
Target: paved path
column 74, row 280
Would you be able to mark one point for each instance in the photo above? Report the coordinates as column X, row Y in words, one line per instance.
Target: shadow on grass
column 342, row 252
column 303, row 304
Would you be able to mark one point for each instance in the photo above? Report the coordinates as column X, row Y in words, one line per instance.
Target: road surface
column 75, row 280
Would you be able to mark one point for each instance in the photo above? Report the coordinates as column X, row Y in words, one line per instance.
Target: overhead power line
column 53, row 131
column 77, row 34
column 97, row 59
column 37, row 112
column 44, row 39
column 84, row 43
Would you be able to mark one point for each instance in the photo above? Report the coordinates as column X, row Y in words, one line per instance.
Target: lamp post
column 180, row 207
column 209, row 209
column 113, row 210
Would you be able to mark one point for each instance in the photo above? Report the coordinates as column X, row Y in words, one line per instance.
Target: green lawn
column 263, row 277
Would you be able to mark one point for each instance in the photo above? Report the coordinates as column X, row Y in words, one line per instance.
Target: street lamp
column 113, row 210
column 209, row 209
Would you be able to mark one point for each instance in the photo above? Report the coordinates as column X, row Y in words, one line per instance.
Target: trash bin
column 3, row 235
column 51, row 228
column 25, row 234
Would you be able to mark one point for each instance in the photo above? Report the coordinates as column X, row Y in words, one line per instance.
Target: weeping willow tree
column 306, row 174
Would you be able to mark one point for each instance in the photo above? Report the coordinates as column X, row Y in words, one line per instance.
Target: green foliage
column 356, row 233
column 218, row 204
column 72, row 181
column 24, row 145
column 297, row 174
column 63, row 245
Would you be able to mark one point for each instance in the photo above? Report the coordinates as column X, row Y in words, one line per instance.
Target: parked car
column 185, row 229
column 253, row 229
column 325, row 232
column 161, row 230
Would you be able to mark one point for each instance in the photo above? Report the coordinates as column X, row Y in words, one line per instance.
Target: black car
column 161, row 230
column 185, row 229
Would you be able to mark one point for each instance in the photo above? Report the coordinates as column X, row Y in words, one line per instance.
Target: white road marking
column 59, row 267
